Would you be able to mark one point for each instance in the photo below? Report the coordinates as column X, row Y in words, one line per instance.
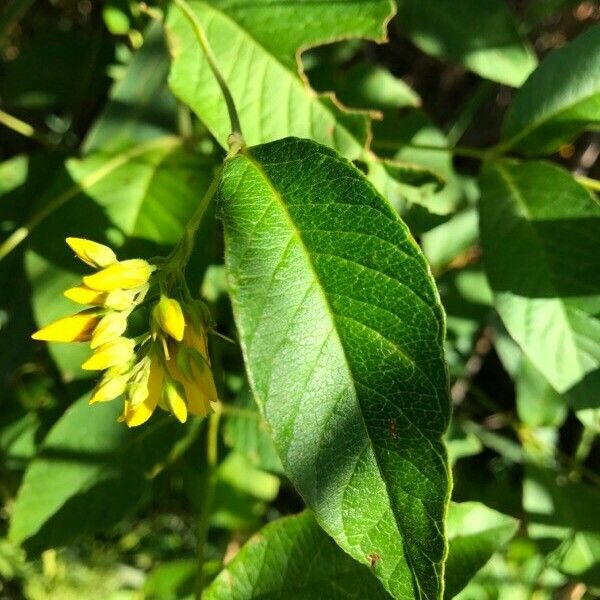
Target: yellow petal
column 109, row 388
column 124, row 275
column 201, row 391
column 92, row 253
column 169, row 316
column 196, row 339
column 137, row 415
column 120, row 299
column 85, row 295
column 76, row 328
column 111, row 326
column 113, row 353
column 174, row 399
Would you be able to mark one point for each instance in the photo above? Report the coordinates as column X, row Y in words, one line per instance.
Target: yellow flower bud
column 123, row 275
column 113, row 353
column 92, row 253
column 112, row 385
column 111, row 326
column 76, row 328
column 139, row 409
column 120, row 299
column 168, row 314
column 174, row 399
column 85, row 295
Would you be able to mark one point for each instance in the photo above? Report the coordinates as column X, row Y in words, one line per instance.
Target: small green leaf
column 342, row 333
column 540, row 232
column 89, row 474
column 293, row 558
column 475, row 532
column 480, row 35
column 559, row 100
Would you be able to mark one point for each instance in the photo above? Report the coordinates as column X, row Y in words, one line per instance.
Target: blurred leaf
column 56, row 71
column 279, row 103
column 142, row 196
column 140, row 105
column 365, row 86
column 88, row 475
column 171, row 581
column 461, row 443
column 475, row 532
column 345, row 357
column 538, row 403
column 540, row 232
column 482, row 36
column 559, row 100
column 249, row 434
column 293, row 558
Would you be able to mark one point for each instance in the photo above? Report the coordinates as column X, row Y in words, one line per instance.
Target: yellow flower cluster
column 166, row 366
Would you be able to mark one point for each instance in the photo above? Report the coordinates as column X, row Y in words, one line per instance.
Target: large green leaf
column 144, row 194
column 293, row 558
column 257, row 46
column 480, row 35
column 540, row 232
column 91, row 472
column 559, row 100
column 342, row 333
column 475, row 532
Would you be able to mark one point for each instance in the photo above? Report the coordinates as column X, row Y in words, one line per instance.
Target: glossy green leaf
column 540, row 232
column 342, row 333
column 261, row 68
column 482, row 36
column 87, row 462
column 475, row 532
column 559, row 100
column 144, row 194
column 293, row 558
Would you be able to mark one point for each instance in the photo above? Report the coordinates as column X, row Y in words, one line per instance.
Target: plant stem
column 21, row 127
column 588, row 182
column 212, row 447
column 236, row 128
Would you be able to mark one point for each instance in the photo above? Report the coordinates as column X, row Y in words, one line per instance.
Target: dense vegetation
column 339, row 265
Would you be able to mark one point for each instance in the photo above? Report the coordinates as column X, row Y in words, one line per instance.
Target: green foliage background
column 404, row 269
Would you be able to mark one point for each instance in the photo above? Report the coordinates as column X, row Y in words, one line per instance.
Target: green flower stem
column 22, row 128
column 236, row 128
column 212, row 445
column 588, row 182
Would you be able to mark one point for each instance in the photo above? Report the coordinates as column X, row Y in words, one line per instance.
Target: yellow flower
column 92, row 253
column 124, row 299
column 139, row 413
column 168, row 314
column 111, row 326
column 112, row 385
column 123, row 275
column 76, row 328
column 113, row 353
column 85, row 295
column 174, row 399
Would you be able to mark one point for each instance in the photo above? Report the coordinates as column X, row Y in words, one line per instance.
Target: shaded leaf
column 475, row 532
column 540, row 232
column 342, row 333
column 482, row 36
column 559, row 100
column 87, row 461
column 293, row 558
